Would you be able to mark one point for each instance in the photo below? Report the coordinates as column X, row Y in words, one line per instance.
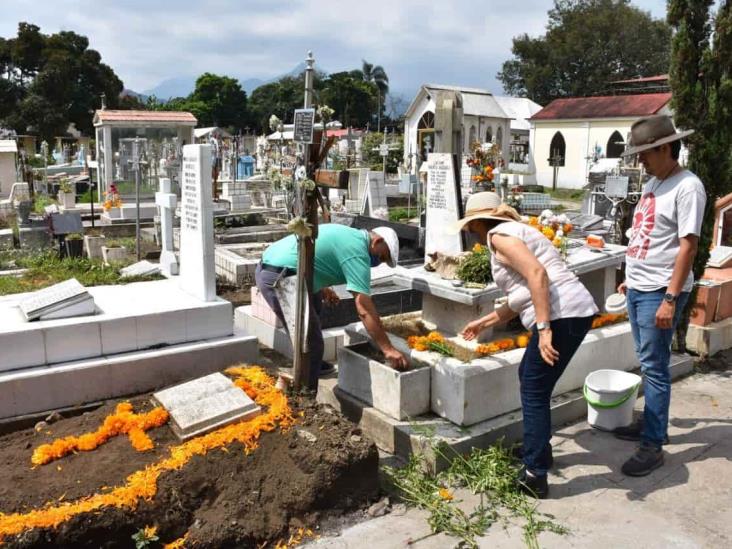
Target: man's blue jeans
column 653, row 349
column 537, row 383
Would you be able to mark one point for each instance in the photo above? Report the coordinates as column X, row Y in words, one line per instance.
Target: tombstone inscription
column 197, row 274
column 443, row 204
column 62, row 300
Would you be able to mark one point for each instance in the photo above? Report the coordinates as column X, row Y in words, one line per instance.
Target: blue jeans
column 265, row 281
column 653, row 349
column 537, row 383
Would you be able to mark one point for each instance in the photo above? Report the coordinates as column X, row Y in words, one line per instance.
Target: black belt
column 271, row 268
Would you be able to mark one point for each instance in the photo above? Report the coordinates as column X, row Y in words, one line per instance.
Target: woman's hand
column 548, row 352
column 472, row 329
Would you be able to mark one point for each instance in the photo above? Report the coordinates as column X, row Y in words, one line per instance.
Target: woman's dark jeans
column 537, row 383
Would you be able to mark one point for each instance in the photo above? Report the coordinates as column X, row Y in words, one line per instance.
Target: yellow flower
column 548, row 232
column 477, row 249
column 150, row 531
column 445, row 494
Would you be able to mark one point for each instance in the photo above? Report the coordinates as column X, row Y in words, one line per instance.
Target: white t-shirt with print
column 668, row 210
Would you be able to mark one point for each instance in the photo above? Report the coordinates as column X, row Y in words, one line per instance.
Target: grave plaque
column 443, row 204
column 141, row 268
column 304, row 122
column 62, row 300
column 197, row 275
column 205, row 404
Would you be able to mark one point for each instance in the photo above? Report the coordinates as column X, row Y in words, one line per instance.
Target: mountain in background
column 182, row 86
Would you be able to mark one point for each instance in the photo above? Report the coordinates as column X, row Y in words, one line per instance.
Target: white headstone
column 167, row 201
column 442, row 205
column 374, row 194
column 197, row 274
column 204, row 404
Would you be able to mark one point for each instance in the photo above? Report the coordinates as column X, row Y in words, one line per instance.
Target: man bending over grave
column 343, row 255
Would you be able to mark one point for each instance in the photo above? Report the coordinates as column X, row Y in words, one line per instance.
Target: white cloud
column 417, row 41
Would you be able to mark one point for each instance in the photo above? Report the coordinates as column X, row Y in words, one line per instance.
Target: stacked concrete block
column 232, row 267
column 236, row 193
column 262, row 311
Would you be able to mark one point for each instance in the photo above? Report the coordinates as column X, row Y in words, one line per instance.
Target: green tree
column 219, row 101
column 370, row 151
column 50, row 81
column 280, row 98
column 701, row 80
column 350, row 96
column 588, row 43
column 376, row 75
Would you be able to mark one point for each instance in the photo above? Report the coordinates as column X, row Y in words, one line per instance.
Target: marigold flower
column 445, row 494
column 477, row 248
column 548, row 232
column 522, row 340
column 567, row 228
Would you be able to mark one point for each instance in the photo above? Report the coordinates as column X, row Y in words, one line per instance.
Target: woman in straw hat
column 552, row 303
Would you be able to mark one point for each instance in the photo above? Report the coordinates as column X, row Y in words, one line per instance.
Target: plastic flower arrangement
column 112, row 198
column 555, row 227
column 484, row 161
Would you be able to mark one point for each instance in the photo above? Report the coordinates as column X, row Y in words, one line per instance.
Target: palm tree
column 375, row 74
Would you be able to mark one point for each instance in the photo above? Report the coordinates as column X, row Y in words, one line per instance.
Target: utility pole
column 305, row 251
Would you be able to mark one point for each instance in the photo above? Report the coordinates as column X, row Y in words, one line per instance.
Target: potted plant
column 93, row 242
column 67, row 194
column 113, row 253
column 74, row 245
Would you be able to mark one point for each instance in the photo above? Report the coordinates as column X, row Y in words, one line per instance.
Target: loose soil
column 320, row 468
column 237, row 295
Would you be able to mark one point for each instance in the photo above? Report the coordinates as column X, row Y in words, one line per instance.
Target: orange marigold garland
column 608, row 318
column 122, row 422
column 142, row 485
column 434, row 341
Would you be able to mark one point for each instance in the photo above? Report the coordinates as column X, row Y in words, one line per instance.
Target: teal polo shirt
column 341, row 257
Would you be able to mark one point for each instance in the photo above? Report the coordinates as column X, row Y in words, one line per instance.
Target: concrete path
column 685, row 503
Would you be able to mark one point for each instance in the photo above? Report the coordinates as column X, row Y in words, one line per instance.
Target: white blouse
column 568, row 296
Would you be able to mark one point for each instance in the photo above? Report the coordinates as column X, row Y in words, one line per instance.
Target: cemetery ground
column 685, row 503
column 305, row 465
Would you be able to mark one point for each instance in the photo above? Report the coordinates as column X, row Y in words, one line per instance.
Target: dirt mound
column 321, row 466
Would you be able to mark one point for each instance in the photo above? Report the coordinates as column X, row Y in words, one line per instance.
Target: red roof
column 174, row 117
column 611, row 106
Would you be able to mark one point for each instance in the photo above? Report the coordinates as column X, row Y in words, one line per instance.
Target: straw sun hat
column 485, row 205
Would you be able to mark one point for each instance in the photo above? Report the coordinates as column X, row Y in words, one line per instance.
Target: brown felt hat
column 651, row 132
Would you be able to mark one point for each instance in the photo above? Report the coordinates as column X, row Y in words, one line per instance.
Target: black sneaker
column 633, row 432
column 517, row 452
column 534, row 486
column 326, row 369
column 646, row 459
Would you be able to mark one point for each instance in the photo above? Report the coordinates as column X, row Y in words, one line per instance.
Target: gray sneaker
column 633, row 432
column 646, row 459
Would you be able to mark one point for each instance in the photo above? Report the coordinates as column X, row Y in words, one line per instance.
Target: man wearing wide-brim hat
column 662, row 245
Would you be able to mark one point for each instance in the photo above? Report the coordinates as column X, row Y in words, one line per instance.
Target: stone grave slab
column 141, row 268
column 204, row 404
column 62, row 300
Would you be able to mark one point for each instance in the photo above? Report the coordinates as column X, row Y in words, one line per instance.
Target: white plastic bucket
column 610, row 396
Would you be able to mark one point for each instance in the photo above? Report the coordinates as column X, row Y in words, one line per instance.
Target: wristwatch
column 670, row 298
column 540, row 326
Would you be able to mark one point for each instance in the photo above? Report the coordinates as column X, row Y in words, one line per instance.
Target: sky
column 461, row 42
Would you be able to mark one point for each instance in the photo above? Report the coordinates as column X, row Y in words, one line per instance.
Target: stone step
column 73, row 383
column 421, row 434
